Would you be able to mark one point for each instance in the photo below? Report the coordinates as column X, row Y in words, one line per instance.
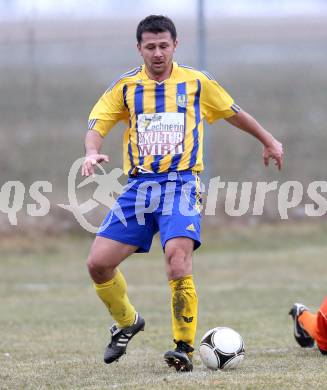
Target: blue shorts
column 166, row 202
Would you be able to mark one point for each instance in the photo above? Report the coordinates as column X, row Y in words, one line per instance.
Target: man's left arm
column 271, row 147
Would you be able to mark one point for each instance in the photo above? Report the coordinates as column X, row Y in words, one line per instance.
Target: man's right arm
column 93, row 143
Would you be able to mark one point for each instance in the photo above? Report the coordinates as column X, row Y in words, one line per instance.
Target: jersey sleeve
column 109, row 110
column 216, row 103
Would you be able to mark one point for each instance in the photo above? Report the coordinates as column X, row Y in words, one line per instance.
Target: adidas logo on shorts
column 191, row 228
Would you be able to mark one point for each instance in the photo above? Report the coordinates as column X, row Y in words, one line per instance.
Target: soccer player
column 310, row 327
column 163, row 104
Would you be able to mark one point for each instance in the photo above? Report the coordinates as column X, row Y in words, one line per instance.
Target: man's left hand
column 273, row 150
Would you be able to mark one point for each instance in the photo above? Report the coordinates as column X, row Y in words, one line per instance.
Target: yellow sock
column 184, row 309
column 114, row 295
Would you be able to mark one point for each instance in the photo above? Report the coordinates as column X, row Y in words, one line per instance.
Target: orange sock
column 309, row 322
column 321, row 337
column 316, row 325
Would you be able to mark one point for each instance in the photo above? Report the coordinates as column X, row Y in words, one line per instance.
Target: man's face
column 157, row 51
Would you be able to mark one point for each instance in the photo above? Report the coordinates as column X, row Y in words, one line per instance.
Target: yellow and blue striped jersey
column 165, row 120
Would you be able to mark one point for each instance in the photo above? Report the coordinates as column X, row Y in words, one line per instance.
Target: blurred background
column 57, row 58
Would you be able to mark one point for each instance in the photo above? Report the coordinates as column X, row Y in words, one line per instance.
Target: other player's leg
column 184, row 301
column 110, row 285
column 304, row 335
column 316, row 325
column 322, row 327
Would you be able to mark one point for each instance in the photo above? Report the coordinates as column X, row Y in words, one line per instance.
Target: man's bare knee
column 105, row 256
column 99, row 270
column 179, row 263
column 178, row 252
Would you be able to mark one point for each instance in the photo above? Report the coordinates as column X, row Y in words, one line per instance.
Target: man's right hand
column 90, row 162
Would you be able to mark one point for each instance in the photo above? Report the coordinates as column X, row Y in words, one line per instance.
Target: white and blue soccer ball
column 222, row 348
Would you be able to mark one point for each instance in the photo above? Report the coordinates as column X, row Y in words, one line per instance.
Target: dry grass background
column 54, row 328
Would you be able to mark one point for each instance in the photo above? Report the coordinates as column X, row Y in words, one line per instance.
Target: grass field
column 53, row 327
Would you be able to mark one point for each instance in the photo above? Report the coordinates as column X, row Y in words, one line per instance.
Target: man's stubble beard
column 158, row 72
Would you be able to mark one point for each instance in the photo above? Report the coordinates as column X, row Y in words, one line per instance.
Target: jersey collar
column 172, row 76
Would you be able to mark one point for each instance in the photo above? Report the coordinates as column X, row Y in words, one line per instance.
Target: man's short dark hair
column 156, row 24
